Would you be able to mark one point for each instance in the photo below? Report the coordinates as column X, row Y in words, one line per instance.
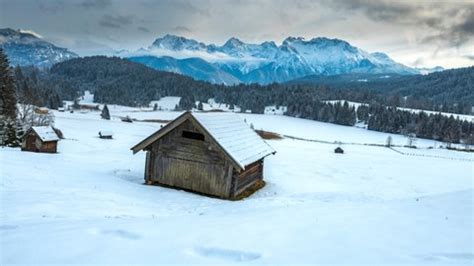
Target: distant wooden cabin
column 126, row 119
column 41, row 110
column 105, row 134
column 339, row 150
column 40, row 139
column 211, row 153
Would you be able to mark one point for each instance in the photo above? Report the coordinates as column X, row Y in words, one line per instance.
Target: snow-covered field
column 370, row 206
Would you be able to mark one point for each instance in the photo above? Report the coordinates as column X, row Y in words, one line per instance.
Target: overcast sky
column 415, row 33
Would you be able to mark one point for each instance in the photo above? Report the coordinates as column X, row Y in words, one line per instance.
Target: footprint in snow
column 126, row 175
column 449, row 256
column 8, row 227
column 226, row 254
column 122, row 234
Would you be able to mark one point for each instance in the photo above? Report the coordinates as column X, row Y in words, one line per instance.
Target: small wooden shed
column 105, row 134
column 40, row 139
column 216, row 154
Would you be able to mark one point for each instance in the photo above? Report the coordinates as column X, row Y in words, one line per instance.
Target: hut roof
column 228, row 130
column 106, row 133
column 45, row 133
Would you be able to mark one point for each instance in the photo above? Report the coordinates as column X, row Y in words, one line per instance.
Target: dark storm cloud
column 449, row 24
column 377, row 10
column 457, row 33
column 115, row 21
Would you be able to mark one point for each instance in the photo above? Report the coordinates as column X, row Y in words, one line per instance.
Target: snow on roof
column 106, row 133
column 235, row 136
column 46, row 133
column 230, row 132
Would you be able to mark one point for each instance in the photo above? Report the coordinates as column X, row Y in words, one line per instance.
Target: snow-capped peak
column 233, row 43
column 31, row 33
column 177, row 43
column 25, row 47
column 269, row 62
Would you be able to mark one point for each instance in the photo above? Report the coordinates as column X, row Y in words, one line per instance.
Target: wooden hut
column 211, row 153
column 40, row 139
column 105, row 134
column 339, row 150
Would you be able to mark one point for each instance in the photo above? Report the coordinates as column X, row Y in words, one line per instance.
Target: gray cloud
column 143, row 29
column 185, row 5
column 117, row 21
column 95, row 4
column 448, row 24
column 182, row 29
column 470, row 57
column 438, row 32
column 52, row 6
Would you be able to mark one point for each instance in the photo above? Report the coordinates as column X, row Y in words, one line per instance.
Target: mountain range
column 237, row 61
column 27, row 48
column 231, row 63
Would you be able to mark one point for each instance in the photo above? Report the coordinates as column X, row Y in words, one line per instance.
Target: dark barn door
column 30, row 143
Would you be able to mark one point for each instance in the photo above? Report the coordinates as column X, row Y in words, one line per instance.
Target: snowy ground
column 370, row 206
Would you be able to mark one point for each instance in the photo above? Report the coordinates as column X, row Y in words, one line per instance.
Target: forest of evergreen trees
column 118, row 81
column 448, row 91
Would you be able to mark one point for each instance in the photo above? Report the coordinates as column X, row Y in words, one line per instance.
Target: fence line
column 379, row 145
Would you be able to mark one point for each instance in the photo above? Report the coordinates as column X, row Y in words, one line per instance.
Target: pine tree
column 105, row 113
column 8, row 107
column 76, row 105
column 200, row 107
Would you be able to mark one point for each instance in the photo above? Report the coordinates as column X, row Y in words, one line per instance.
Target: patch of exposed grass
column 268, row 135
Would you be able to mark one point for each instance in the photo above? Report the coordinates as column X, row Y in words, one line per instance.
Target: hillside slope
column 196, row 68
column 119, row 81
column 25, row 48
column 448, row 86
column 317, row 207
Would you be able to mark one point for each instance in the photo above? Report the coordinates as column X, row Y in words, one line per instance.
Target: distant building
column 211, row 153
column 339, row 150
column 40, row 139
column 105, row 134
column 41, row 110
column 275, row 110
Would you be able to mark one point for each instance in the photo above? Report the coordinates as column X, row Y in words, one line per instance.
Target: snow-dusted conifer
column 8, row 101
column 105, row 113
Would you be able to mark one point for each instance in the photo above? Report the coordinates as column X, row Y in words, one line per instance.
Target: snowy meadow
column 372, row 205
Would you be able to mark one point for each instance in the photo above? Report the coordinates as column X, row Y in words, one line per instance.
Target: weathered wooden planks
column 193, row 161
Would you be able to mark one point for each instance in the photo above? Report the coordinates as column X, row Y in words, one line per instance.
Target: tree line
column 118, row 81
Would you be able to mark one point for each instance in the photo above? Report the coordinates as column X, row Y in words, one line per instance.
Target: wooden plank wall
column 189, row 163
column 49, row 147
column 246, row 178
column 33, row 143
